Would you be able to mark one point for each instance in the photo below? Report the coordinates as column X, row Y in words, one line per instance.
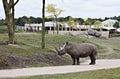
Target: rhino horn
column 57, row 49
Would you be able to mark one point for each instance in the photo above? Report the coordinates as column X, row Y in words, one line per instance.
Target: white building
column 108, row 24
column 33, row 27
column 38, row 27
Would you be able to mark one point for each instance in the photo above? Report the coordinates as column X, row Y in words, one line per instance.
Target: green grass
column 19, row 51
column 3, row 37
column 97, row 74
column 51, row 40
column 114, row 35
column 31, row 43
column 115, row 55
column 28, row 44
column 104, row 43
column 114, row 43
column 3, row 27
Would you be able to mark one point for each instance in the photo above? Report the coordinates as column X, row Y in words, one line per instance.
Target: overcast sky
column 74, row 8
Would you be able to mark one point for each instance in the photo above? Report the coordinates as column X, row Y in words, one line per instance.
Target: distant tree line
column 2, row 22
column 89, row 21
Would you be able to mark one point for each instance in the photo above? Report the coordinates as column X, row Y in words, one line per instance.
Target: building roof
column 110, row 21
column 118, row 29
column 109, row 28
column 33, row 24
column 47, row 24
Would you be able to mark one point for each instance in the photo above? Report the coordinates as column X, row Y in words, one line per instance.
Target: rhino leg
column 78, row 63
column 93, row 58
column 73, row 58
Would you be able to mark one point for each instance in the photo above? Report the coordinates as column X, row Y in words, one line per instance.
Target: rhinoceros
column 77, row 51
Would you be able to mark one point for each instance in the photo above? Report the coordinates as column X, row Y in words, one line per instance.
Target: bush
column 114, row 35
column 3, row 29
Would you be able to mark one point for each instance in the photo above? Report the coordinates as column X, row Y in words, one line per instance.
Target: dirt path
column 109, row 49
column 101, row 64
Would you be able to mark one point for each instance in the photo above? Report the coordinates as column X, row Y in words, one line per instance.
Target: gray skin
column 77, row 51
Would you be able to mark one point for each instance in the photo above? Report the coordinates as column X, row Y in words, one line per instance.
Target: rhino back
column 82, row 50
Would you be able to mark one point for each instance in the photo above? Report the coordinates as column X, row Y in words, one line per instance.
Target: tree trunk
column 9, row 13
column 57, row 27
column 11, row 29
column 43, row 25
column 11, row 25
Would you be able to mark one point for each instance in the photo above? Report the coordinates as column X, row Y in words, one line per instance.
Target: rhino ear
column 67, row 43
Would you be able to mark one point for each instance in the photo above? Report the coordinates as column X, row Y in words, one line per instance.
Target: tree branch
column 16, row 2
column 5, row 5
column 13, row 4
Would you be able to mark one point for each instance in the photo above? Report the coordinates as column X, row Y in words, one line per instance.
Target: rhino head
column 62, row 50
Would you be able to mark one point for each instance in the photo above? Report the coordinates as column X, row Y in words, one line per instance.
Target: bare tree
column 9, row 17
column 43, row 25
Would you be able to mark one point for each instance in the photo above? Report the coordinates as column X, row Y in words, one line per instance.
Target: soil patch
column 9, row 61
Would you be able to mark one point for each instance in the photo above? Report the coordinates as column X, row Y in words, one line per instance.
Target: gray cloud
column 75, row 8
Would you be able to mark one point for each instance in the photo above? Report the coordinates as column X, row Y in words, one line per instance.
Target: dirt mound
column 39, row 59
column 51, row 59
column 12, row 61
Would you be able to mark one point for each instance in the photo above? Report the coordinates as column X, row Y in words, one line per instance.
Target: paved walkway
column 101, row 64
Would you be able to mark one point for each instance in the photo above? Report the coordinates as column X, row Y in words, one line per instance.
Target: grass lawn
column 3, row 27
column 104, row 43
column 112, row 42
column 28, row 44
column 34, row 39
column 31, row 43
column 97, row 74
